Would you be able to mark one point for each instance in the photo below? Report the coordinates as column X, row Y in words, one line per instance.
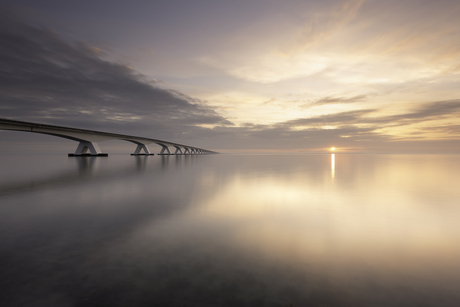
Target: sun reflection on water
column 293, row 214
column 245, row 223
column 333, row 166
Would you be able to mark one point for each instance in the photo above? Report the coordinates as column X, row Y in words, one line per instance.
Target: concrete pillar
column 163, row 149
column 85, row 146
column 142, row 147
column 178, row 151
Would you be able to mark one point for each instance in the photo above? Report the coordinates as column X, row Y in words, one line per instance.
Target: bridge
column 88, row 139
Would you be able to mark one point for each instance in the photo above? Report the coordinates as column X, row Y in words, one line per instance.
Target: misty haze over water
column 230, row 230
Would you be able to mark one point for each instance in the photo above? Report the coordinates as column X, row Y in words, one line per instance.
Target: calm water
column 230, row 230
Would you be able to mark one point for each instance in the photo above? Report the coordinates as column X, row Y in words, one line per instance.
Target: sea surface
column 230, row 230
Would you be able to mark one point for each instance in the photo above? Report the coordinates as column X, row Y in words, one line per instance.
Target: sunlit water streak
column 332, row 166
column 230, row 230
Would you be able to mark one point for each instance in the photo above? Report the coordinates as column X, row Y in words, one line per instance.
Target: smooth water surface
column 230, row 230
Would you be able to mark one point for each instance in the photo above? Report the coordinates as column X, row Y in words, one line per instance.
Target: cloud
column 435, row 110
column 331, row 100
column 351, row 42
column 322, row 25
column 349, row 117
column 351, row 128
column 46, row 78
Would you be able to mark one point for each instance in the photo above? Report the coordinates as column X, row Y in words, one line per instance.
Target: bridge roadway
column 88, row 139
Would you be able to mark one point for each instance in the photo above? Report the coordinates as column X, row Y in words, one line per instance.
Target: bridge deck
column 88, row 138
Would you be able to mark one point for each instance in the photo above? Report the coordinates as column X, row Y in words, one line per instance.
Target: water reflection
column 234, row 231
column 85, row 164
column 332, row 166
column 88, row 169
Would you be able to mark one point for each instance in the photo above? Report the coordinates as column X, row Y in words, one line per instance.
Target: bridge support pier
column 88, row 139
column 163, row 149
column 84, row 147
column 178, row 151
column 142, row 147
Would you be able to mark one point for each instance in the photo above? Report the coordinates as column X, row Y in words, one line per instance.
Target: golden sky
column 353, row 74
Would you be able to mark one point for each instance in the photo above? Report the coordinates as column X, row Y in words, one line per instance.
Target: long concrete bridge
column 88, row 139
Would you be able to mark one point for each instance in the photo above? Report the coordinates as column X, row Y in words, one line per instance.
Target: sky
column 239, row 76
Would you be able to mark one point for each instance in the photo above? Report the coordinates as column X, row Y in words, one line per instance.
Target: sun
column 332, row 148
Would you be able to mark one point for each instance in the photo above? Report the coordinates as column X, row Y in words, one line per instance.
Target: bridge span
column 88, row 139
